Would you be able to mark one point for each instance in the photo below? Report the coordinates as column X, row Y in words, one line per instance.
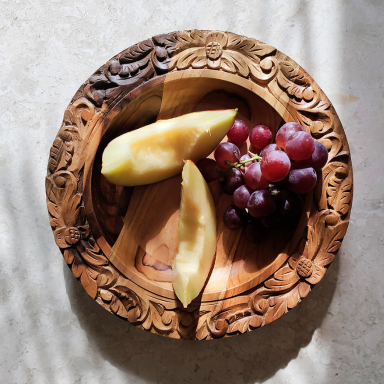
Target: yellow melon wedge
column 157, row 151
column 196, row 235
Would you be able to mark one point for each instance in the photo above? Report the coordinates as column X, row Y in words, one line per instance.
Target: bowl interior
column 137, row 227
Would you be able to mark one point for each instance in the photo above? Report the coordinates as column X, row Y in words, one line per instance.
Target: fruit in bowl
column 157, row 151
column 196, row 235
column 266, row 188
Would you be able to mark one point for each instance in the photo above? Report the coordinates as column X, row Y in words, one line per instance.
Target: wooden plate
column 119, row 242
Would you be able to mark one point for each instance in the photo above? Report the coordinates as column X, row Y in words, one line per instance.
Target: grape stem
column 240, row 164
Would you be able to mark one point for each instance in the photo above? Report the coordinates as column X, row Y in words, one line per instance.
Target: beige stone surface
column 51, row 331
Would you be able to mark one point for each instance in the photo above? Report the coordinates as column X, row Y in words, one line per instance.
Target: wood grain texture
column 119, row 242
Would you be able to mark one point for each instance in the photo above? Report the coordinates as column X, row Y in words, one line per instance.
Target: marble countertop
column 51, row 331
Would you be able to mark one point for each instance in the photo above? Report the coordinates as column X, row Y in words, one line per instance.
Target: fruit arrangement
column 267, row 188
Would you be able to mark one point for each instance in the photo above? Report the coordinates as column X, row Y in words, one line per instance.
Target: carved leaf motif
column 118, row 307
column 91, row 255
column 238, row 61
column 186, row 58
column 136, row 52
column 304, row 289
column 195, row 38
column 283, row 279
column 317, row 274
column 87, row 276
column 316, row 230
column 249, row 47
column 343, row 197
column 239, row 326
column 332, row 242
column 166, row 40
column 278, row 308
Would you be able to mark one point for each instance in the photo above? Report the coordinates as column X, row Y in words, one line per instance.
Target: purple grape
column 254, row 178
column 285, row 132
column 226, row 151
column 238, row 134
column 300, row 146
column 301, row 178
column 234, row 217
column 269, row 148
column 209, row 169
column 261, row 204
column 254, row 232
column 241, row 196
column 260, row 136
column 289, row 203
column 275, row 165
column 319, row 157
column 233, row 179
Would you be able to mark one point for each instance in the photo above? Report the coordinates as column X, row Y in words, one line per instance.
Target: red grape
column 234, row 217
column 238, row 134
column 209, row 169
column 269, row 148
column 319, row 157
column 260, row 136
column 226, row 151
column 285, row 132
column 289, row 203
column 254, row 178
column 233, row 179
column 254, row 232
column 261, row 204
column 301, row 179
column 300, row 146
column 241, row 196
column 275, row 165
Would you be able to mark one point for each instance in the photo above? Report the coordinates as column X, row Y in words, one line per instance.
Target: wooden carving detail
column 246, row 58
column 226, row 51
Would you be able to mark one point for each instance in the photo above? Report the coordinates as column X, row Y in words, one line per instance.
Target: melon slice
column 157, row 151
column 196, row 235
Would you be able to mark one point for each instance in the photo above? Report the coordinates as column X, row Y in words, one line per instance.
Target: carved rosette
column 249, row 59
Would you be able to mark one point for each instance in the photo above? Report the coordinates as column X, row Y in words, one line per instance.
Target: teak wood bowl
column 119, row 242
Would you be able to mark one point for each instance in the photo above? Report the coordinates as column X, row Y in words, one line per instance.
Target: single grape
column 254, row 232
column 254, row 178
column 301, row 179
column 226, row 151
column 261, row 204
column 285, row 132
column 238, row 134
column 269, row 148
column 209, row 169
column 271, row 221
column 289, row 203
column 260, row 136
column 234, row 217
column 246, row 157
column 300, row 146
column 275, row 165
column 241, row 196
column 319, row 157
column 233, row 179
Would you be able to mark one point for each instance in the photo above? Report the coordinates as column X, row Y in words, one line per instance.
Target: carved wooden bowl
column 119, row 242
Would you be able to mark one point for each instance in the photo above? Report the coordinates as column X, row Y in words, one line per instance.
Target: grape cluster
column 266, row 188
